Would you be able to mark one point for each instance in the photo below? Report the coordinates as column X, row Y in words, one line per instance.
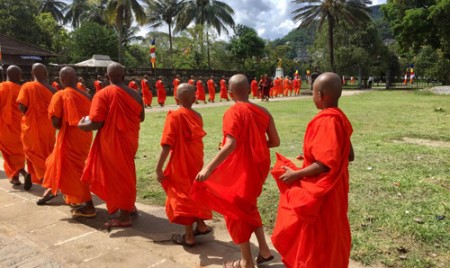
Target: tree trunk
column 207, row 49
column 331, row 40
column 119, row 44
column 170, row 45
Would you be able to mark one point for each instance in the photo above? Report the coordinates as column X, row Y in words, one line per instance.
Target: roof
column 96, row 61
column 11, row 46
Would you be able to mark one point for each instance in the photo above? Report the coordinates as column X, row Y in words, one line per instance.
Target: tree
column 96, row 12
column 246, row 44
column 53, row 36
column 164, row 11
column 352, row 12
column 122, row 14
column 75, row 11
column 53, row 7
column 209, row 13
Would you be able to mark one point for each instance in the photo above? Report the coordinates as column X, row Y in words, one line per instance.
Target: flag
column 153, row 53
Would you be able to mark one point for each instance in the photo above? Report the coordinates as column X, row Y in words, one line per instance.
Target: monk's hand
column 159, row 175
column 203, row 175
column 289, row 176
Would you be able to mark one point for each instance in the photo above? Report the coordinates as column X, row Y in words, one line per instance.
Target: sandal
column 81, row 213
column 116, row 223
column 180, row 240
column 45, row 199
column 15, row 180
column 260, row 259
column 197, row 232
column 27, row 185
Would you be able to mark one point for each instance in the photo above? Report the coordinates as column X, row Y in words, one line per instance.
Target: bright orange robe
column 38, row 134
column 175, row 83
column 147, row 95
column 223, row 89
column 254, row 88
column 56, row 85
column 183, row 131
column 200, row 93
column 133, row 85
column 191, row 81
column 10, row 142
column 110, row 169
column 233, row 187
column 211, row 90
column 285, row 86
column 81, row 86
column 312, row 228
column 65, row 164
column 296, row 84
column 160, row 92
column 97, row 85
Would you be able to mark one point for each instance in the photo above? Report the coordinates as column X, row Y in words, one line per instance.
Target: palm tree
column 164, row 11
column 53, row 7
column 96, row 12
column 353, row 12
column 209, row 13
column 75, row 11
column 121, row 14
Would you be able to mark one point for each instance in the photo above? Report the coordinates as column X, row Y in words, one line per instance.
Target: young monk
column 133, row 84
column 176, row 83
column 98, row 84
column 81, row 85
column 147, row 95
column 232, row 182
column 200, row 93
column 38, row 134
column 65, row 164
column 223, row 89
column 191, row 81
column 55, row 84
column 160, row 91
column 182, row 139
column 10, row 142
column 211, row 89
column 312, row 228
column 116, row 112
column 254, row 88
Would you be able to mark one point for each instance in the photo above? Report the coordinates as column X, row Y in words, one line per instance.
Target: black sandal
column 45, row 199
column 180, row 240
column 27, row 185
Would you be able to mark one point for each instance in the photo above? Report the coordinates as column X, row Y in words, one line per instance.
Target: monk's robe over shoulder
column 312, row 228
column 110, row 170
column 183, row 132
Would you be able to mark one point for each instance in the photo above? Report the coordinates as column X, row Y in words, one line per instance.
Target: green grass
column 392, row 183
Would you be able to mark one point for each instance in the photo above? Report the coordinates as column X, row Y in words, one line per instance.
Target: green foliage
column 54, row 37
column 299, row 39
column 246, row 44
column 431, row 64
column 18, row 21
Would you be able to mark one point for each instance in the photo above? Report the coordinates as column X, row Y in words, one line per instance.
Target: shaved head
column 39, row 72
column 186, row 94
column 68, row 77
column 14, row 73
column 239, row 87
column 327, row 90
column 116, row 73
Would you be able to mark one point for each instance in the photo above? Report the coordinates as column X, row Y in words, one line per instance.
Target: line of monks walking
column 311, row 228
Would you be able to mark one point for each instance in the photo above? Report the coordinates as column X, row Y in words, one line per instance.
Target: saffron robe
column 160, row 92
column 200, row 93
column 254, row 88
column 296, row 84
column 147, row 95
column 38, row 134
column 277, row 87
column 223, row 89
column 110, row 170
column 82, row 87
column 233, row 187
column 56, row 86
column 211, row 90
column 10, row 142
column 312, row 228
column 65, row 164
column 97, row 85
column 191, row 81
column 183, row 132
column 175, row 83
column 133, row 85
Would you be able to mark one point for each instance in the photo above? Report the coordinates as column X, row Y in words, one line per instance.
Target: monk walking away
column 160, row 91
column 98, row 84
column 182, row 138
column 147, row 95
column 232, row 182
column 10, row 142
column 116, row 112
column 176, row 82
column 65, row 164
column 38, row 134
column 312, row 228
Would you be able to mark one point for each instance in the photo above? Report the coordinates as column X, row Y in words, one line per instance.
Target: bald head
column 186, row 94
column 239, row 87
column 14, row 73
column 116, row 73
column 68, row 77
column 329, row 87
column 39, row 72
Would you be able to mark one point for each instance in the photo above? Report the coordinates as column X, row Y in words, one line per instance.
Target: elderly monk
column 38, row 135
column 65, row 164
column 200, row 93
column 10, row 142
column 211, row 89
column 176, row 82
column 147, row 95
column 161, row 91
column 98, row 84
column 116, row 112
column 232, row 182
column 223, row 89
column 182, row 139
column 312, row 228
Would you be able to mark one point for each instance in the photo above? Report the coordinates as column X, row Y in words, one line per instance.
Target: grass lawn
column 400, row 192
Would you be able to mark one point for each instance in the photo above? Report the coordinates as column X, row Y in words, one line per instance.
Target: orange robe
column 56, row 85
column 191, row 81
column 183, row 131
column 254, row 88
column 312, row 228
column 233, row 187
column 81, row 86
column 97, row 85
column 175, row 83
column 223, row 90
column 38, row 134
column 277, row 87
column 160, row 92
column 133, row 85
column 110, row 169
column 285, row 87
column 147, row 95
column 297, row 84
column 10, row 142
column 200, row 93
column 211, row 90
column 65, row 164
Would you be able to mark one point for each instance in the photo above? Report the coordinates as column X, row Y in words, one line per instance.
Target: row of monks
column 311, row 228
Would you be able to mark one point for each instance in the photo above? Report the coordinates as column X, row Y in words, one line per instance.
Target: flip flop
column 260, row 259
column 179, row 240
column 15, row 181
column 80, row 213
column 116, row 223
column 45, row 199
column 232, row 264
column 197, row 231
column 27, row 185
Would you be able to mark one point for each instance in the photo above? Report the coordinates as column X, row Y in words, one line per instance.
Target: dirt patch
column 443, row 90
column 425, row 142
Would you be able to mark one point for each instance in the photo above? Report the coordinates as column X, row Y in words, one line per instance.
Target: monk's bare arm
column 88, row 125
column 314, row 169
column 351, row 156
column 56, row 122
column 227, row 149
column 162, row 159
column 22, row 108
column 272, row 134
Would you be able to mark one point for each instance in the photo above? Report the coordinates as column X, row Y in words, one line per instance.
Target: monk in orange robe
column 176, row 82
column 81, row 85
column 312, row 228
column 160, row 91
column 290, row 87
column 211, row 89
column 191, row 81
column 254, row 88
column 116, row 112
column 276, row 86
column 65, row 164
column 133, row 84
column 200, row 93
column 147, row 95
column 38, row 134
column 55, row 84
column 182, row 139
column 223, row 89
column 296, row 84
column 285, row 86
column 232, row 182
column 98, row 84
column 10, row 142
